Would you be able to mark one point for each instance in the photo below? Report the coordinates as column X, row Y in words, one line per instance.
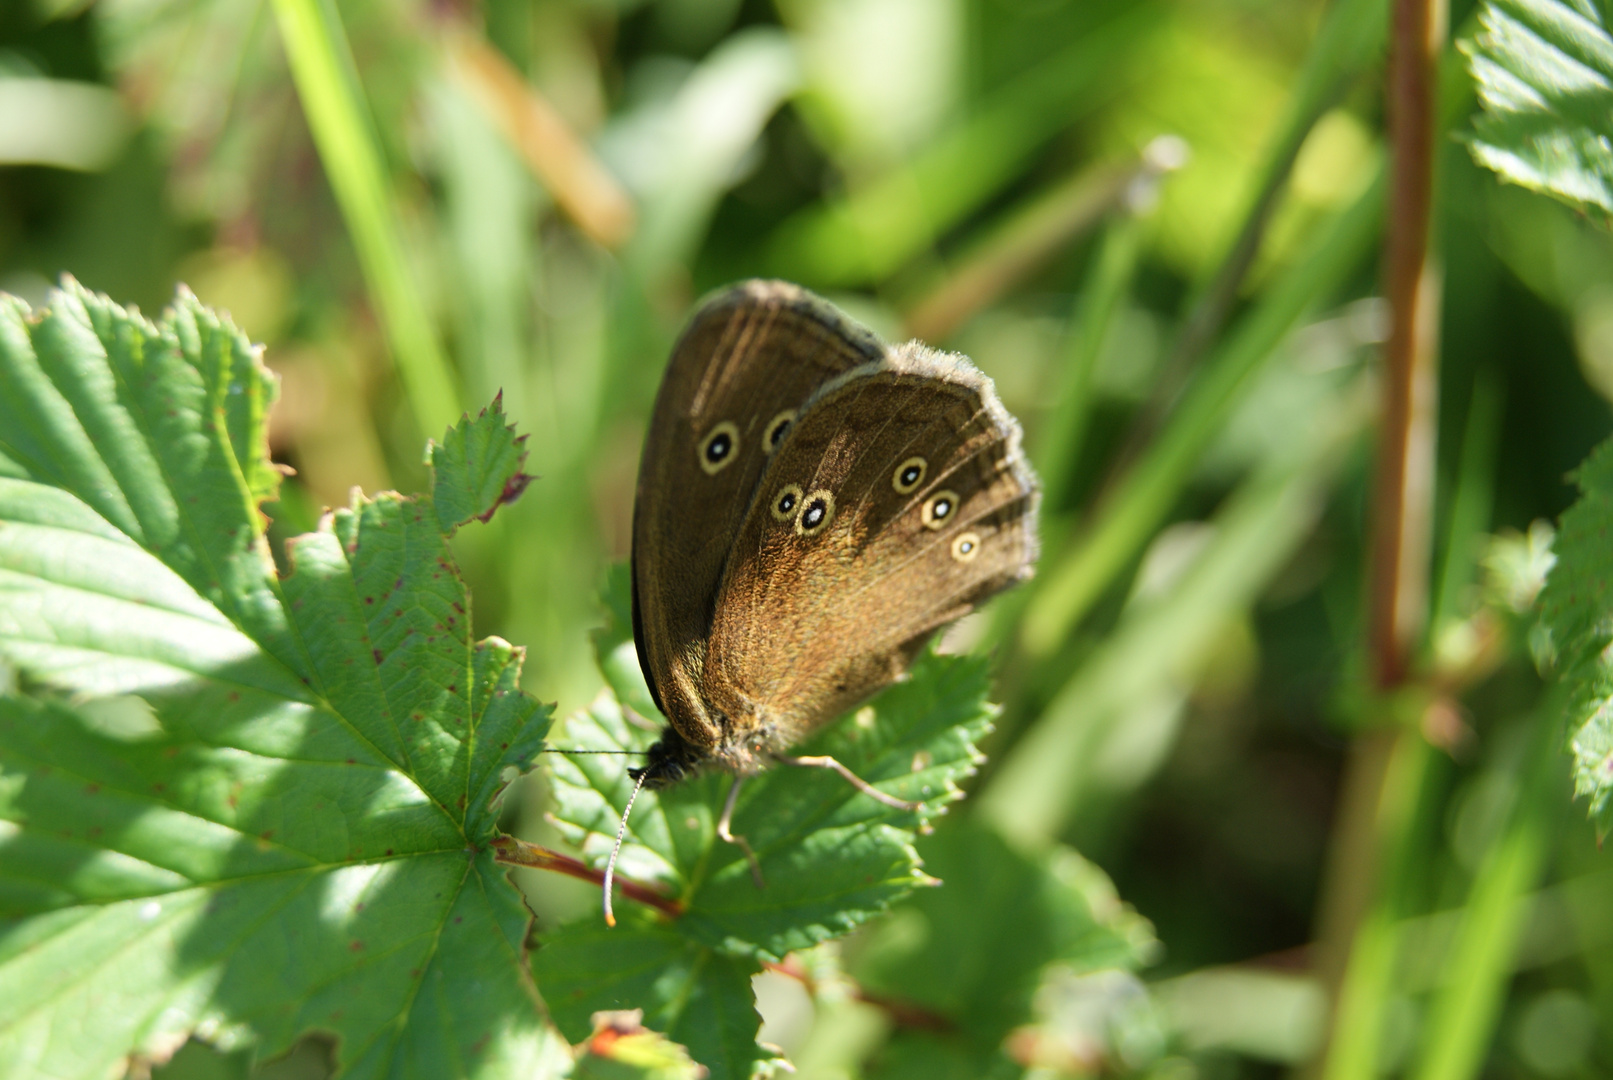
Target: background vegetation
column 1159, row 227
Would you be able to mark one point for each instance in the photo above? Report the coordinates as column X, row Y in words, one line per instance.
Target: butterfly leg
column 725, row 830
column 824, row 761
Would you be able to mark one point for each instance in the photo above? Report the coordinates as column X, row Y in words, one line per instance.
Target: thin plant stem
column 1371, row 858
column 514, row 852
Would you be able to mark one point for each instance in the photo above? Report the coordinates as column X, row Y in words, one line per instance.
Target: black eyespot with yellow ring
column 909, row 475
column 787, row 503
column 965, row 546
column 939, row 509
column 719, row 447
column 817, row 510
column 776, row 429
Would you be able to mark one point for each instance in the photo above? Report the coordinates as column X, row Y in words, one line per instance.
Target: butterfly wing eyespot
column 909, row 475
column 719, row 448
column 966, row 546
column 776, row 429
column 817, row 510
column 786, row 504
column 938, row 509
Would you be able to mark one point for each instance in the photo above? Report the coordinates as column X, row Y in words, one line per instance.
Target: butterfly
column 812, row 505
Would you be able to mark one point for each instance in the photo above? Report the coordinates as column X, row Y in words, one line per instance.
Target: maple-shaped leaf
column 233, row 804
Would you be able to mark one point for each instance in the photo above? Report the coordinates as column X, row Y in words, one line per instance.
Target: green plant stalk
column 322, row 68
column 870, row 234
column 1462, row 1024
column 1144, row 496
column 1064, row 430
column 1356, row 1044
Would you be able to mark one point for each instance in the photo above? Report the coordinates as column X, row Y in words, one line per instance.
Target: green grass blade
column 1355, row 1045
column 870, row 234
column 1462, row 1024
column 1042, row 781
column 323, row 70
column 1065, row 429
column 1146, row 495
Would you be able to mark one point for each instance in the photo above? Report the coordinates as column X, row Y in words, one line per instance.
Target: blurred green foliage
column 1195, row 364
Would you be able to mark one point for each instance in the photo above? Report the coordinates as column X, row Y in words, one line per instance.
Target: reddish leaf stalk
column 513, row 852
column 1403, row 483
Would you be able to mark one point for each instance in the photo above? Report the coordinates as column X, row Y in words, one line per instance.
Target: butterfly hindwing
column 898, row 501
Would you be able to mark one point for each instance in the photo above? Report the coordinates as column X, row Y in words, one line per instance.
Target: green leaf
column 972, row 952
column 280, row 821
column 831, row 857
column 1544, row 73
column 1577, row 608
column 477, row 468
column 692, row 994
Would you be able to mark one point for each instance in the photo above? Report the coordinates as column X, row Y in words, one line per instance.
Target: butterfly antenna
column 564, row 750
column 621, row 834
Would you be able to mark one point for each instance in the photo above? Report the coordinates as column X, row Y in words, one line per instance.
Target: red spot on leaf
column 352, row 761
column 356, row 946
column 92, row 789
column 159, row 787
column 377, row 654
column 234, row 695
column 369, row 599
column 389, row 851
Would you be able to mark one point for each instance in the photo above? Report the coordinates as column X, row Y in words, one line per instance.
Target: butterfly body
column 812, row 506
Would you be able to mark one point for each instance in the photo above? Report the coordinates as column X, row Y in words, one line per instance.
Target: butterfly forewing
column 924, row 506
column 750, row 359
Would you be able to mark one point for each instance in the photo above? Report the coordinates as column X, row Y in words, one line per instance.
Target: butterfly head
column 671, row 759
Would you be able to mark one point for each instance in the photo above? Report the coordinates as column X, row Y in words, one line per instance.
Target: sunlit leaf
column 279, row 824
column 1544, row 71
column 1577, row 607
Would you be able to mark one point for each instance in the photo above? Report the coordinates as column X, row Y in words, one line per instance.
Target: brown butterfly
column 812, row 506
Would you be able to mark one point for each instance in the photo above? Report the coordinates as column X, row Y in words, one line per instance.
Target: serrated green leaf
column 831, row 857
column 973, row 951
column 294, row 837
column 477, row 468
column 689, row 992
column 1544, row 73
column 1577, row 607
